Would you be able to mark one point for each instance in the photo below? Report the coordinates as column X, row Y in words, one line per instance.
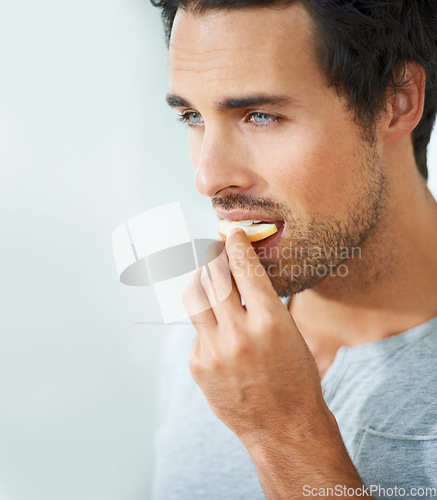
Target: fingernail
column 233, row 231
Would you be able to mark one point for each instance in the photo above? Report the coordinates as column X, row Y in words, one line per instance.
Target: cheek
column 315, row 172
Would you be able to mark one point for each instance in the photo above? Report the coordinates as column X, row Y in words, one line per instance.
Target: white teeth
column 245, row 222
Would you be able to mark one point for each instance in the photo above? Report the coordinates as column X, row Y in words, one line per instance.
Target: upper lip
column 237, row 215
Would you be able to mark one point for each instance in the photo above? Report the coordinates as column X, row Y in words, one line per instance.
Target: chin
column 285, row 282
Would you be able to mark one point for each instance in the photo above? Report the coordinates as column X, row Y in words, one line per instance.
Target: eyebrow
column 175, row 101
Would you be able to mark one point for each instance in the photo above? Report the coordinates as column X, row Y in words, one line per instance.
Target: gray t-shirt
column 383, row 395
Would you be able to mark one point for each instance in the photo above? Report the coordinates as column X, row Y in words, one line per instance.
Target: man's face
column 270, row 141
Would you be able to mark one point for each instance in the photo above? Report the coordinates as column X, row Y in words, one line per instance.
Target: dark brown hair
column 363, row 46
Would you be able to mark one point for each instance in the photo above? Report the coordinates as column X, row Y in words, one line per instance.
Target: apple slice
column 254, row 231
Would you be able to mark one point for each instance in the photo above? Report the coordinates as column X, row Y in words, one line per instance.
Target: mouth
column 255, row 230
column 263, row 234
column 264, row 247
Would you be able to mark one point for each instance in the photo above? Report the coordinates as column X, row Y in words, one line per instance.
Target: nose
column 221, row 164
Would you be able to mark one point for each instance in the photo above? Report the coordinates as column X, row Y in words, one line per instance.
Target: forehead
column 242, row 50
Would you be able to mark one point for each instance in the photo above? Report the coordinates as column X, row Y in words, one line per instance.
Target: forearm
column 294, row 465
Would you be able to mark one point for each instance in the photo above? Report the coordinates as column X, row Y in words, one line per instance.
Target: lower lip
column 270, row 242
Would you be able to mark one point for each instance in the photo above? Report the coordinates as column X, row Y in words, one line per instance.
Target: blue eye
column 262, row 118
column 192, row 118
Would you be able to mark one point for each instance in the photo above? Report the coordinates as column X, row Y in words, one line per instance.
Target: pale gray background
column 86, row 142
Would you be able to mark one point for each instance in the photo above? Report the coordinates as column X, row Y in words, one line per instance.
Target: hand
column 260, row 378
column 251, row 362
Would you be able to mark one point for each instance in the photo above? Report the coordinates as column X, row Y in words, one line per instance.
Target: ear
column 405, row 107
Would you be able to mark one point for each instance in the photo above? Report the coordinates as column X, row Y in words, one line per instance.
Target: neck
column 391, row 288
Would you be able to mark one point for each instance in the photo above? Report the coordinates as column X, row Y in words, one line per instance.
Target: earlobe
column 405, row 106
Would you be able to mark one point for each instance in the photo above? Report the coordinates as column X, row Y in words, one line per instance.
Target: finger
column 197, row 305
column 221, row 289
column 251, row 279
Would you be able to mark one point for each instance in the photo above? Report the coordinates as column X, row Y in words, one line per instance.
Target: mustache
column 245, row 202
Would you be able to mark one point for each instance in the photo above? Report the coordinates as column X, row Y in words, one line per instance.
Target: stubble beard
column 310, row 253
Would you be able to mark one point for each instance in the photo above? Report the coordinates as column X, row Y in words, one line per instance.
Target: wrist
column 298, row 431
column 312, row 454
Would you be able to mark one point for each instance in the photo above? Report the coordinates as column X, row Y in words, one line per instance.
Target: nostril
column 232, row 188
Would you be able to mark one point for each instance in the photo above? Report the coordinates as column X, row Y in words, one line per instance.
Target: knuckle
column 239, row 349
column 204, row 362
column 204, row 278
column 194, row 364
column 195, row 369
column 215, row 364
column 267, row 321
column 232, row 326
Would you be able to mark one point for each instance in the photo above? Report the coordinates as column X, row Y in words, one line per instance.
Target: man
column 314, row 116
